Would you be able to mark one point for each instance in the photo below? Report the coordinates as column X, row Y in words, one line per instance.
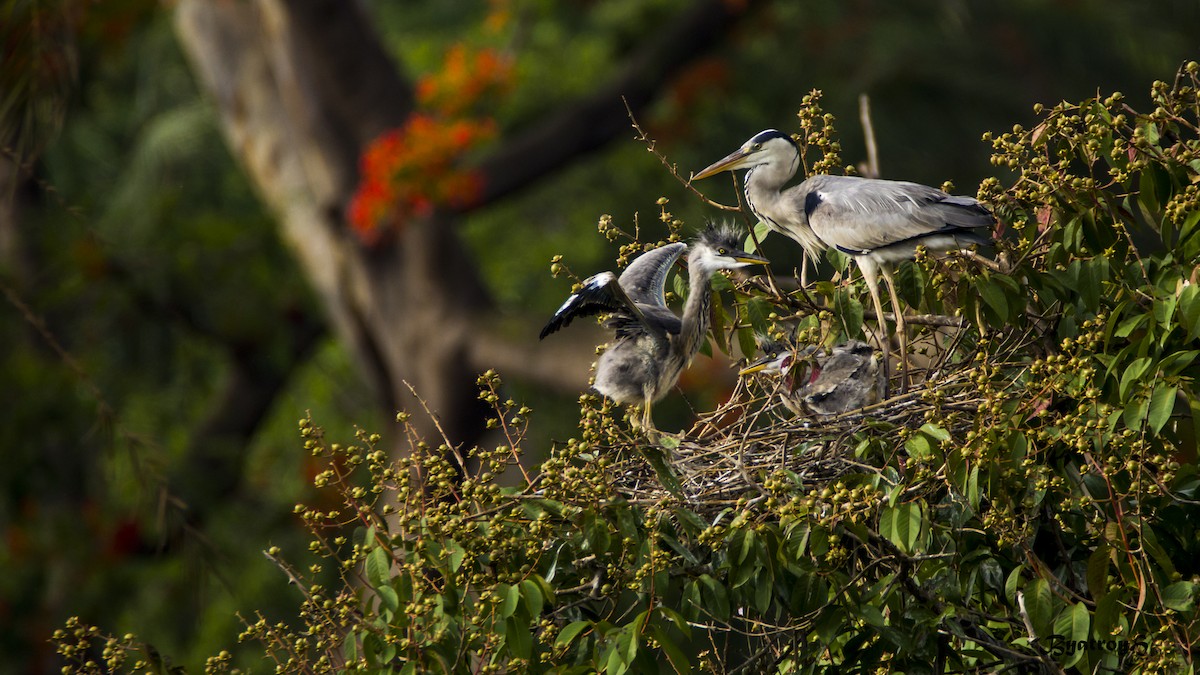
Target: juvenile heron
column 813, row 382
column 877, row 222
column 652, row 345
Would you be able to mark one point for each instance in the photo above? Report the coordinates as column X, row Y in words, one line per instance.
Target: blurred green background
column 144, row 278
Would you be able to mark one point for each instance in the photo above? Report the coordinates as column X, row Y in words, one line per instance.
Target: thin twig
column 651, row 147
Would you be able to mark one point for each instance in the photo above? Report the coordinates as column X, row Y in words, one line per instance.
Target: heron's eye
column 756, row 147
column 722, row 251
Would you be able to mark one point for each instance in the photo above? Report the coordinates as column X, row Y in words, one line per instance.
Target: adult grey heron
column 877, row 222
column 652, row 345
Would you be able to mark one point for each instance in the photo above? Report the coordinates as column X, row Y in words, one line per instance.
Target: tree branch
column 586, row 125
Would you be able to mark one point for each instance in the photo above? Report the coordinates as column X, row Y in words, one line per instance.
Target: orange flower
column 406, row 172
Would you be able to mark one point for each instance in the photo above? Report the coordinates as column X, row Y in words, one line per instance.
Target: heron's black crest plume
column 768, row 134
column 719, row 236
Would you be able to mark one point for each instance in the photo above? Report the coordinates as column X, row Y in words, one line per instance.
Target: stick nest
column 730, row 453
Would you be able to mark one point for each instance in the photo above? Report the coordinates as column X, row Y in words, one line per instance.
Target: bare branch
column 589, row 123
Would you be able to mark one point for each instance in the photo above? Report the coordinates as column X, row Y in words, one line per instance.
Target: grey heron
column 813, row 382
column 653, row 345
column 877, row 222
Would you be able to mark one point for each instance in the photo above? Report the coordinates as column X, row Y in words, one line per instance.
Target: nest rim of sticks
column 729, row 453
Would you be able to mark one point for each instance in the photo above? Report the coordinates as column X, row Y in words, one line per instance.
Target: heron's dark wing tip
column 594, row 297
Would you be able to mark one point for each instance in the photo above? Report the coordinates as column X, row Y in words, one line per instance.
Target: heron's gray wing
column 858, row 215
column 646, row 277
column 655, row 319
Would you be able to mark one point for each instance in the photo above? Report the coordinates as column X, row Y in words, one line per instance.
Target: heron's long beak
column 730, row 162
column 750, row 259
column 759, row 365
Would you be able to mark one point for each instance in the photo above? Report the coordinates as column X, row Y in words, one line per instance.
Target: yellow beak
column 727, row 163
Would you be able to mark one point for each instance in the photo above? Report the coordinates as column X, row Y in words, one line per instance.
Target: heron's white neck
column 698, row 308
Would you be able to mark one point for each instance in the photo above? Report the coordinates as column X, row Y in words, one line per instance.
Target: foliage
column 1027, row 509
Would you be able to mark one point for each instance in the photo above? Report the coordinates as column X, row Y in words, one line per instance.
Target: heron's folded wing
column 654, row 319
column 600, row 293
column 860, row 214
column 646, row 277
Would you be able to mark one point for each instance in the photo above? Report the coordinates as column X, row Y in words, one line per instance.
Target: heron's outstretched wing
column 635, row 300
column 858, row 215
column 646, row 277
column 600, row 293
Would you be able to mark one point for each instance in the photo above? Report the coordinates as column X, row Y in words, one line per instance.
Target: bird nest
column 731, row 454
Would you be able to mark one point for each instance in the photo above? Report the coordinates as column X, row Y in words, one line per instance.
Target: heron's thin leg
column 901, row 326
column 647, row 400
column 804, row 270
column 869, row 268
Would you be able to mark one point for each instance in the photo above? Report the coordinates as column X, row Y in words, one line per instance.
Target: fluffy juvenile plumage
column 653, row 345
column 813, row 382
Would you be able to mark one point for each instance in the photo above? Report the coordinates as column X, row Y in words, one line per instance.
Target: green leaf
column 829, row 624
column 596, row 531
column 571, row 631
column 746, row 342
column 679, row 286
column 378, row 566
column 1162, row 404
column 1164, row 309
column 1073, row 623
column 519, row 638
column 457, row 554
column 1174, row 363
column 918, row 447
column 388, row 599
column 1130, row 324
column 1180, row 596
column 1012, row 583
column 757, row 310
column 1135, row 412
column 675, row 618
column 614, row 665
column 532, row 595
column 850, row 310
column 1133, row 372
column 901, row 525
column 1189, row 310
column 1108, row 610
column 1097, row 571
column 675, row 656
column 936, row 432
column 763, row 590
column 993, row 297
column 1039, row 606
column 718, row 607
column 747, row 546
column 761, row 230
column 510, row 597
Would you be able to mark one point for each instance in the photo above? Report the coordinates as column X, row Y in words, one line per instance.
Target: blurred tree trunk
column 301, row 88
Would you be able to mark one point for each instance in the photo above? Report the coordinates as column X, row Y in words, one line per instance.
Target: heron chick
column 879, row 223
column 653, row 345
column 813, row 382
